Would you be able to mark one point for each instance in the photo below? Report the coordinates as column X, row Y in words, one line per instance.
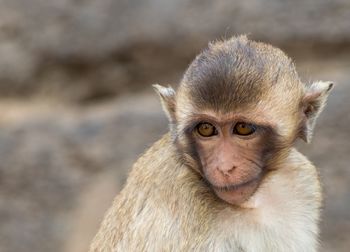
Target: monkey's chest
column 263, row 231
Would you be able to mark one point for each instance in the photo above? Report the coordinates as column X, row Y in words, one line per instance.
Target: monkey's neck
column 293, row 181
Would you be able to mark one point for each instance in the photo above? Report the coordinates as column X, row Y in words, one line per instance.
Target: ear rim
column 318, row 89
column 167, row 97
column 313, row 103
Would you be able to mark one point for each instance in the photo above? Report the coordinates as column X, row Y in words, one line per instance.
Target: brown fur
column 248, row 69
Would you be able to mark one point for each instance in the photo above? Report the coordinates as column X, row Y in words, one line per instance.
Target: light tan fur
column 178, row 212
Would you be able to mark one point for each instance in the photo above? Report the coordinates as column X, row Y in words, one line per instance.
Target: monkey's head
column 237, row 112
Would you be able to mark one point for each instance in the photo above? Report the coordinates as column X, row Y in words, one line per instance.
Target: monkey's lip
column 233, row 187
column 236, row 194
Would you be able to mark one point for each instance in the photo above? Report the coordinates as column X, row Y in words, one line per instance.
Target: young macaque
column 226, row 177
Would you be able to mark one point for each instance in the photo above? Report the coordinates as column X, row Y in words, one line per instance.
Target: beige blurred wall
column 77, row 109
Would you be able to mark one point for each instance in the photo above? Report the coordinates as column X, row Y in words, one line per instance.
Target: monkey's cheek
column 239, row 195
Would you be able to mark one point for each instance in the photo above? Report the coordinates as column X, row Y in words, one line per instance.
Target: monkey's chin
column 237, row 194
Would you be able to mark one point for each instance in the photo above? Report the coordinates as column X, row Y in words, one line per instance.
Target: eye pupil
column 206, row 129
column 244, row 129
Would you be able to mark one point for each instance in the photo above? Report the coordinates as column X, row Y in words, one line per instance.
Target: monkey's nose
column 226, row 172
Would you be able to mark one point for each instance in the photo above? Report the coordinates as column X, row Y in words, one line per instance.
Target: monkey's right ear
column 167, row 98
column 313, row 104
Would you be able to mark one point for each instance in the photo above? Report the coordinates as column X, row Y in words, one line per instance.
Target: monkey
column 227, row 175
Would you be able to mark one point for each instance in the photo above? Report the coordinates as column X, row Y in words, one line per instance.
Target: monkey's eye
column 206, row 129
column 244, row 129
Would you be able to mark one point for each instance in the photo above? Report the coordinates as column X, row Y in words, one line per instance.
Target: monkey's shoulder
column 157, row 162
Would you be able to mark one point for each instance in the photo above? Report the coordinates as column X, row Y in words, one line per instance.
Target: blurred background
column 77, row 108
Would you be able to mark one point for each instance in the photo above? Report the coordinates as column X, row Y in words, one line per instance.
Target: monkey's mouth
column 236, row 194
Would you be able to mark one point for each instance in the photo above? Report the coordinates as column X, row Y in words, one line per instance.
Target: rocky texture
column 85, row 50
column 60, row 165
column 49, row 154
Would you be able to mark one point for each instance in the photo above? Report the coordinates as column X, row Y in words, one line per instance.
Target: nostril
column 226, row 172
column 232, row 169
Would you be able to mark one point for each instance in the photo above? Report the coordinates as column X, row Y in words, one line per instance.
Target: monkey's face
column 232, row 153
column 237, row 112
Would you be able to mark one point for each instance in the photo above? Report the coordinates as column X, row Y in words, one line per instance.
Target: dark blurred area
column 77, row 108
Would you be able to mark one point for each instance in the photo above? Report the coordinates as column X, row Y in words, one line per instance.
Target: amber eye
column 206, row 129
column 244, row 129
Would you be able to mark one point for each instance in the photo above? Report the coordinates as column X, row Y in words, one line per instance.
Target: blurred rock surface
column 85, row 50
column 50, row 153
column 74, row 113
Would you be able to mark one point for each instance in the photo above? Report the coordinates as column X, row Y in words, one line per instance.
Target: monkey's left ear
column 313, row 104
column 167, row 97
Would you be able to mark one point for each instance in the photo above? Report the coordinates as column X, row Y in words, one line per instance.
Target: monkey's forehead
column 220, row 94
column 239, row 72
